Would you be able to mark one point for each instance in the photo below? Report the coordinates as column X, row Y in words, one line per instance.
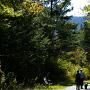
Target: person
column 86, row 84
column 77, row 80
column 81, row 78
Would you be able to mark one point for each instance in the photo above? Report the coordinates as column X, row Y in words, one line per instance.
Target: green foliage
column 87, row 23
column 32, row 7
column 33, row 44
column 10, row 81
column 2, row 78
column 15, row 3
column 40, row 87
column 69, row 68
column 87, row 8
column 87, row 32
column 86, row 73
column 63, row 64
column 79, row 57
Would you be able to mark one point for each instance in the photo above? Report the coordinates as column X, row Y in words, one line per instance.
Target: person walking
column 81, row 78
column 77, row 80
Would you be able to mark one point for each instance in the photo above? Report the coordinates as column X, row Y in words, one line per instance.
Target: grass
column 46, row 87
column 87, row 81
column 59, row 86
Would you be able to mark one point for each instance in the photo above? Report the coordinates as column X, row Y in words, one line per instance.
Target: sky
column 78, row 5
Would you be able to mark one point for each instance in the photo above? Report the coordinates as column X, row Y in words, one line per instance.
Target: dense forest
column 37, row 40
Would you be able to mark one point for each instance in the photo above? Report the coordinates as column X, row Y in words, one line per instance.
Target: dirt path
column 74, row 88
column 70, row 88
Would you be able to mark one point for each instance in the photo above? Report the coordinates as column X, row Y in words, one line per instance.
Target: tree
column 87, row 32
column 32, row 41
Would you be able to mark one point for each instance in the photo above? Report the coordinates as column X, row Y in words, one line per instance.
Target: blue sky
column 78, row 5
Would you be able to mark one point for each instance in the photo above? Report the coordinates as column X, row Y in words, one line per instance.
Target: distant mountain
column 78, row 20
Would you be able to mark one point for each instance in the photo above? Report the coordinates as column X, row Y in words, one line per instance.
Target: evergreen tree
column 87, row 32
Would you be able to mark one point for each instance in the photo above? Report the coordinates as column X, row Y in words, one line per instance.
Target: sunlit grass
column 88, row 81
column 50, row 87
column 56, row 87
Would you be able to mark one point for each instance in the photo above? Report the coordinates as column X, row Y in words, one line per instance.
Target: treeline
column 37, row 40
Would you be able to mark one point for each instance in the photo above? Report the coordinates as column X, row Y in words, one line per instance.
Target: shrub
column 86, row 73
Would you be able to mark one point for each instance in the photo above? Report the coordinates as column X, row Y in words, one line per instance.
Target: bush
column 2, row 78
column 86, row 73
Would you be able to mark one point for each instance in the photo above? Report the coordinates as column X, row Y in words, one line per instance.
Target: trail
column 74, row 88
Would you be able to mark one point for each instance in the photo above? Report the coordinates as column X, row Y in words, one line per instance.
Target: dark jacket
column 77, row 78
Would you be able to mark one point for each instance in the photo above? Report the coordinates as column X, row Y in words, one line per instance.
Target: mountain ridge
column 79, row 20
